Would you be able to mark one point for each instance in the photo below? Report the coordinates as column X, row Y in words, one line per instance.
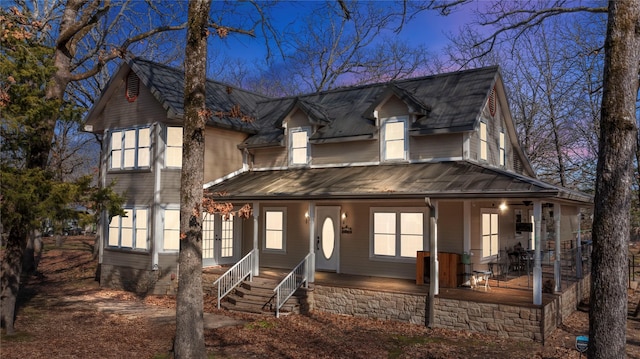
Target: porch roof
column 460, row 179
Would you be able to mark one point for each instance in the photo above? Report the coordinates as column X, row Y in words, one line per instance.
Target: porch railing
column 235, row 275
column 293, row 281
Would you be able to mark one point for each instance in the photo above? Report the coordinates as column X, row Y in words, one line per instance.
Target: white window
column 483, row 141
column 130, row 149
column 298, row 146
column 394, row 139
column 129, row 231
column 171, row 232
column 274, row 236
column 173, row 154
column 489, row 233
column 502, row 149
column 397, row 233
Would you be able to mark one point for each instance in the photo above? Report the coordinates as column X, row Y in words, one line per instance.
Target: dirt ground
column 64, row 314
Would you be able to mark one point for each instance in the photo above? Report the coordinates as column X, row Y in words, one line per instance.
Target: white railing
column 294, row 280
column 235, row 275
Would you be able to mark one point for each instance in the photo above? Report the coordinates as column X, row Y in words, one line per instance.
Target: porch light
column 503, row 207
column 306, row 217
column 344, row 216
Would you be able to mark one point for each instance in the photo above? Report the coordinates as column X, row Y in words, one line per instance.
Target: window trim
column 283, row 210
column 490, row 211
column 291, row 132
column 123, row 149
column 398, row 211
column 503, row 148
column 383, row 141
column 134, row 230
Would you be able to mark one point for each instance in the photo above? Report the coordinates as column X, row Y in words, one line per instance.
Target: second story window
column 483, row 141
column 394, row 139
column 299, row 146
column 130, row 149
column 173, row 155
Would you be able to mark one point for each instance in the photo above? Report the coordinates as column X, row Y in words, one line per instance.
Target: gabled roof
column 460, row 179
column 445, row 103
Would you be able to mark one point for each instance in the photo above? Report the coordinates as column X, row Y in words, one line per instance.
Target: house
column 367, row 180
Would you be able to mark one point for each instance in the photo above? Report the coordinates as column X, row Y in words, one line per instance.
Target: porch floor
column 517, row 290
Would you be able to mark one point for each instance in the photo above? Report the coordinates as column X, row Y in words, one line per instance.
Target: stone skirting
column 519, row 322
column 138, row 281
column 369, row 303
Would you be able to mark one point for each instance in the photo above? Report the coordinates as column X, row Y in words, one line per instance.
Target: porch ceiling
column 459, row 179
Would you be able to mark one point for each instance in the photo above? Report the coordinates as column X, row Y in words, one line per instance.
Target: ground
column 64, row 313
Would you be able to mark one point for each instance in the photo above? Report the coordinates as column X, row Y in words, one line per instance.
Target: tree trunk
column 608, row 313
column 189, row 340
column 10, row 277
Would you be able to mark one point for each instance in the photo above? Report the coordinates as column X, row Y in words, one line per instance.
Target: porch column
column 537, row 266
column 256, row 236
column 557, row 268
column 312, row 242
column 466, row 226
column 579, row 249
column 434, row 283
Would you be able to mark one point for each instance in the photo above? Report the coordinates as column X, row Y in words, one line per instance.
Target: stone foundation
column 139, row 281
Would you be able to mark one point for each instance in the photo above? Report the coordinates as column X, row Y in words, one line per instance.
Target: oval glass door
column 328, row 238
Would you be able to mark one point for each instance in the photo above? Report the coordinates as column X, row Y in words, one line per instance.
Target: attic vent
column 133, row 87
column 492, row 102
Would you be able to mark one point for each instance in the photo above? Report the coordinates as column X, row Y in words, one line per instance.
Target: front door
column 327, row 237
column 220, row 240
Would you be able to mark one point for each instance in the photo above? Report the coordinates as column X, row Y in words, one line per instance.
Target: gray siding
column 138, row 185
column 221, row 155
column 170, row 186
column 346, row 152
column 297, row 237
column 127, row 259
column 436, row 147
column 450, row 227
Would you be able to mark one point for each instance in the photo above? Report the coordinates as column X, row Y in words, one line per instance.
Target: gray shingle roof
column 167, row 85
column 460, row 179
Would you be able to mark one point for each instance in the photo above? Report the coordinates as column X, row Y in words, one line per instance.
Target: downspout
column 433, row 253
column 312, row 242
column 155, row 215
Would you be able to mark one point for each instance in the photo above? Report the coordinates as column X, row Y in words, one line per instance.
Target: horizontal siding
column 297, row 119
column 436, row 146
column 393, row 107
column 221, row 155
column 345, row 152
column 450, row 227
column 126, row 259
column 170, row 186
column 269, row 157
column 138, row 185
column 297, row 241
column 120, row 113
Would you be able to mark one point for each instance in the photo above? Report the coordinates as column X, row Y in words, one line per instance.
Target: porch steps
column 257, row 297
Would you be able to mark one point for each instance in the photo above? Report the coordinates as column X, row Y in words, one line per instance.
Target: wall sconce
column 345, row 228
column 306, row 217
column 503, row 207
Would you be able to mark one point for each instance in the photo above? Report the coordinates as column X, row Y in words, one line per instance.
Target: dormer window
column 394, row 139
column 299, row 146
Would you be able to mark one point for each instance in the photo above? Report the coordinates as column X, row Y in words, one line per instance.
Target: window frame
column 383, row 138
column 491, row 212
column 292, row 132
column 483, row 136
column 283, row 230
column 123, row 147
column 503, row 148
column 399, row 234
column 169, row 146
column 163, row 247
column 135, row 212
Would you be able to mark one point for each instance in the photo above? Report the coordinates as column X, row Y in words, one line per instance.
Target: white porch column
column 557, row 268
column 312, row 242
column 537, row 267
column 434, row 286
column 256, row 236
column 579, row 248
column 466, row 226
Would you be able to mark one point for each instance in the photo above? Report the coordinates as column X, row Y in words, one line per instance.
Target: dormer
column 301, row 121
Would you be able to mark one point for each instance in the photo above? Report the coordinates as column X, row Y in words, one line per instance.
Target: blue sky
column 429, row 29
